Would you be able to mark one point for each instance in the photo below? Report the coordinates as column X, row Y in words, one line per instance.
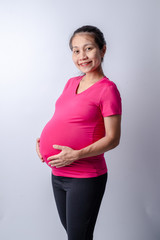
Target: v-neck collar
column 78, row 82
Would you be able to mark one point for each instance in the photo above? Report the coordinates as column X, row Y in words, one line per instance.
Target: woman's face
column 86, row 54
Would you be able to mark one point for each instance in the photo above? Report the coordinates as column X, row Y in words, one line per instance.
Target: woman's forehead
column 82, row 39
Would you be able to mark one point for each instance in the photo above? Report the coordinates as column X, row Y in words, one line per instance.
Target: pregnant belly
column 64, row 134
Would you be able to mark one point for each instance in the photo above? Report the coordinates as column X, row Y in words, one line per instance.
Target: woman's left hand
column 64, row 158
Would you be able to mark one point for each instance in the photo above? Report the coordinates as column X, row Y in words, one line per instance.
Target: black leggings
column 78, row 201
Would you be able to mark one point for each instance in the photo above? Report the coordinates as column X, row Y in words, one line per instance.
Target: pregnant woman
column 86, row 124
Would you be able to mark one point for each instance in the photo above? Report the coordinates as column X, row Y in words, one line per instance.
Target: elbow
column 115, row 141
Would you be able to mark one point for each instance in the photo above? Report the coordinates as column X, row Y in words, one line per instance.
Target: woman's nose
column 83, row 55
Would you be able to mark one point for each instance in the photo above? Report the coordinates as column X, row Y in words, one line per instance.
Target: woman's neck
column 93, row 77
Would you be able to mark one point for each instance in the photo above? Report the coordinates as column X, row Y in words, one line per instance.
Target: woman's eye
column 88, row 48
column 76, row 51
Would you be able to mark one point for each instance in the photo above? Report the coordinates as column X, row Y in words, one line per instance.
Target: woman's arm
column 110, row 141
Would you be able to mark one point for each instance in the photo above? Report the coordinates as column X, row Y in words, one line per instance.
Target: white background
column 35, row 63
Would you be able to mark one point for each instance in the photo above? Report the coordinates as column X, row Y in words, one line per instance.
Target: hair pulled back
column 94, row 31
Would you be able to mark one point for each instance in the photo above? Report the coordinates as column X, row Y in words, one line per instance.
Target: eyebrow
column 84, row 45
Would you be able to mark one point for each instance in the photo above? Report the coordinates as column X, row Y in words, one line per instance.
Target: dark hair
column 97, row 34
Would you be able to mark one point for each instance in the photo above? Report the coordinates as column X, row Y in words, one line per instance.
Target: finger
column 58, row 165
column 37, row 148
column 53, row 157
column 55, row 162
column 59, row 147
column 39, row 155
column 38, row 151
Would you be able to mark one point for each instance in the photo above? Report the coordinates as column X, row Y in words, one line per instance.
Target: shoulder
column 109, row 89
column 108, row 86
column 106, row 82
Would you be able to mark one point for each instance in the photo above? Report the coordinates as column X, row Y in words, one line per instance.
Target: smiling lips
column 84, row 64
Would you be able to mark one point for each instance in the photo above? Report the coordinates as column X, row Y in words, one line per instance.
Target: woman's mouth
column 84, row 64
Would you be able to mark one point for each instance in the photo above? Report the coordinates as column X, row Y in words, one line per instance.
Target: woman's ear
column 103, row 51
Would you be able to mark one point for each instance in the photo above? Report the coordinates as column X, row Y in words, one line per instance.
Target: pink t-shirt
column 78, row 122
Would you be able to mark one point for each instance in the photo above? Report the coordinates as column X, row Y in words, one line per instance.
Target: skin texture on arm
column 108, row 142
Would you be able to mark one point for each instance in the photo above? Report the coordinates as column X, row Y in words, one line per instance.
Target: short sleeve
column 110, row 102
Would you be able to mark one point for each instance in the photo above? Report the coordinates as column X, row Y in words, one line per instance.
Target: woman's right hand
column 37, row 149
